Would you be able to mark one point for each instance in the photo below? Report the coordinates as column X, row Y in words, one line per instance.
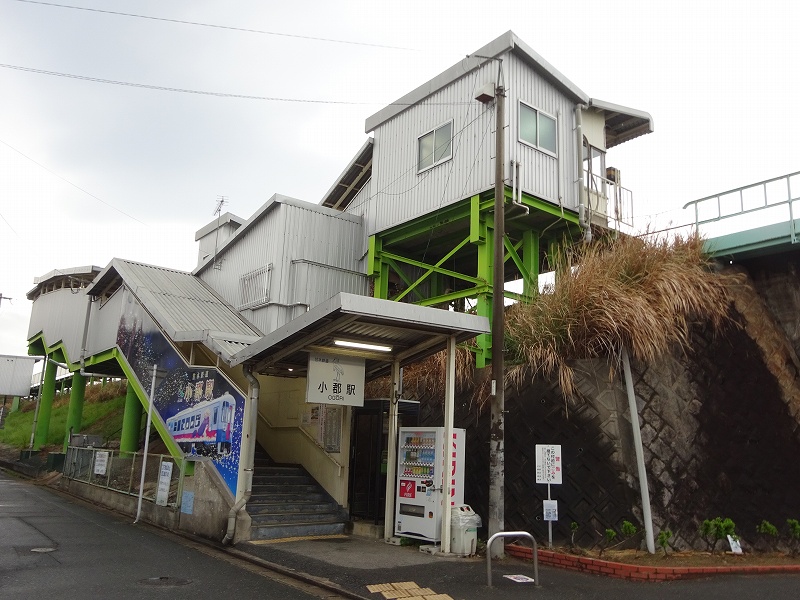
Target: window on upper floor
column 537, row 129
column 435, row 147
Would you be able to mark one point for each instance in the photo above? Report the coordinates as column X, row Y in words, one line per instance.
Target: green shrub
column 664, row 537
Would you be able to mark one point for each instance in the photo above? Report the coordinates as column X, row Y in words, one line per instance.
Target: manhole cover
column 43, row 549
column 165, row 581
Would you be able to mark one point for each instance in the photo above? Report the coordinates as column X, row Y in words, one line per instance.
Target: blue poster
column 202, row 410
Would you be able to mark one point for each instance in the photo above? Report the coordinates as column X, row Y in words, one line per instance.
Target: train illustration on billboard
column 205, row 429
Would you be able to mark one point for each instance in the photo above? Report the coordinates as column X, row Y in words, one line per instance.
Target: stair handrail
column 309, row 436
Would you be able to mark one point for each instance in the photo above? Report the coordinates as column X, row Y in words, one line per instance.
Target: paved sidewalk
column 365, row 567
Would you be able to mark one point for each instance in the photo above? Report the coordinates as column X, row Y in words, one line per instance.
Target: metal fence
column 122, row 472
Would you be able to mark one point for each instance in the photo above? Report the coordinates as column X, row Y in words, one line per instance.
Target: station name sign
column 335, row 379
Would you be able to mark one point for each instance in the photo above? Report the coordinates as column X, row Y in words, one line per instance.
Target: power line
column 214, row 26
column 72, row 184
column 205, row 93
column 7, row 223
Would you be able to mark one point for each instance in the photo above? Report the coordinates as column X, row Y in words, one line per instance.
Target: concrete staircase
column 287, row 502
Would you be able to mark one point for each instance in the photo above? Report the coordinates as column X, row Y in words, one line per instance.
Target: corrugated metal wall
column 104, row 323
column 60, row 316
column 289, row 232
column 397, row 193
column 15, row 375
column 539, row 171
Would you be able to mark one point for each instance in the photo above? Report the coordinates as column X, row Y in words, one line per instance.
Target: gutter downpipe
column 248, row 450
column 582, row 220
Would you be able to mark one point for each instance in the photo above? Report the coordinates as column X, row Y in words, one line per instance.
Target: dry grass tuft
column 642, row 294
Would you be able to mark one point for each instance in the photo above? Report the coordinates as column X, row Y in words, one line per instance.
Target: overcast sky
column 90, row 170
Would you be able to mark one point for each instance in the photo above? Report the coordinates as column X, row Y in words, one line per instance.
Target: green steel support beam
column 530, row 258
column 45, row 405
column 15, row 404
column 131, row 422
column 75, row 410
column 166, row 437
column 423, row 225
column 450, row 296
column 514, row 256
column 548, row 208
column 407, row 280
column 437, row 268
column 484, row 307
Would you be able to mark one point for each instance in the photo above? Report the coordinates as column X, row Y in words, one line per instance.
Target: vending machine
column 424, row 460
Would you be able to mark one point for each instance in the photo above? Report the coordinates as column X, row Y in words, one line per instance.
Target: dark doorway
column 369, row 451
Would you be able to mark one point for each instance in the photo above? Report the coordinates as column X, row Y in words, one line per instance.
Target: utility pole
column 497, row 405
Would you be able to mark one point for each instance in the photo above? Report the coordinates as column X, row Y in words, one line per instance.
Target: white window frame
column 538, row 112
column 254, row 287
column 444, row 158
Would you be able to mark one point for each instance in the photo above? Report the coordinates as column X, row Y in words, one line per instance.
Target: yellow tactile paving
column 438, row 597
column 394, row 594
column 421, row 592
column 405, row 585
column 380, row 587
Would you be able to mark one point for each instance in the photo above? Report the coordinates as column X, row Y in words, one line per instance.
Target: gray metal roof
column 413, row 332
column 505, row 43
column 352, row 179
column 272, row 203
column 75, row 274
column 622, row 123
column 182, row 304
column 223, row 219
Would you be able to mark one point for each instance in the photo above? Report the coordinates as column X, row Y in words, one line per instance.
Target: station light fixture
column 362, row 346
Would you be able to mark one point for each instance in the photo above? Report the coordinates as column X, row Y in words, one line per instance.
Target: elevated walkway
column 754, row 220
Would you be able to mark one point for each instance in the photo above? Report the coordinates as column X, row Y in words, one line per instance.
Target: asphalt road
column 52, row 547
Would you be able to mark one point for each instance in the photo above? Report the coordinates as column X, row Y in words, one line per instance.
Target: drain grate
column 165, row 581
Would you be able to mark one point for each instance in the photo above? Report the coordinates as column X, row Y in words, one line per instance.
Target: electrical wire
column 205, row 93
column 214, row 26
column 72, row 184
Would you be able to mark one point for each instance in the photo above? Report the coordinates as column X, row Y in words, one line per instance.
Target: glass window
column 527, row 125
column 435, row 146
column 547, row 133
column 537, row 129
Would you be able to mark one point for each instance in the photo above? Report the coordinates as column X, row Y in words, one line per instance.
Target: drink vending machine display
column 423, row 462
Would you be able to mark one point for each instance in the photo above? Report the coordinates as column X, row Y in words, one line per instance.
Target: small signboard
column 408, row 488
column 548, row 463
column 550, row 510
column 164, row 478
column 520, row 578
column 335, row 379
column 187, row 503
column 100, row 463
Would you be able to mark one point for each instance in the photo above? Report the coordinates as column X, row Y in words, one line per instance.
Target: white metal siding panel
column 399, row 193
column 15, row 375
column 289, row 232
column 539, row 171
column 60, row 316
column 104, row 323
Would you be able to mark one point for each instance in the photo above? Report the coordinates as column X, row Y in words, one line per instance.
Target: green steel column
column 484, row 308
column 15, row 404
column 75, row 410
column 530, row 258
column 45, row 406
column 131, row 422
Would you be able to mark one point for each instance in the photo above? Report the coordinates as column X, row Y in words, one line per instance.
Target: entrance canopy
column 383, row 332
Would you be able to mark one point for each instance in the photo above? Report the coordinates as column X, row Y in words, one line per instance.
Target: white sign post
column 100, row 463
column 164, row 479
column 548, row 470
column 335, row 379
